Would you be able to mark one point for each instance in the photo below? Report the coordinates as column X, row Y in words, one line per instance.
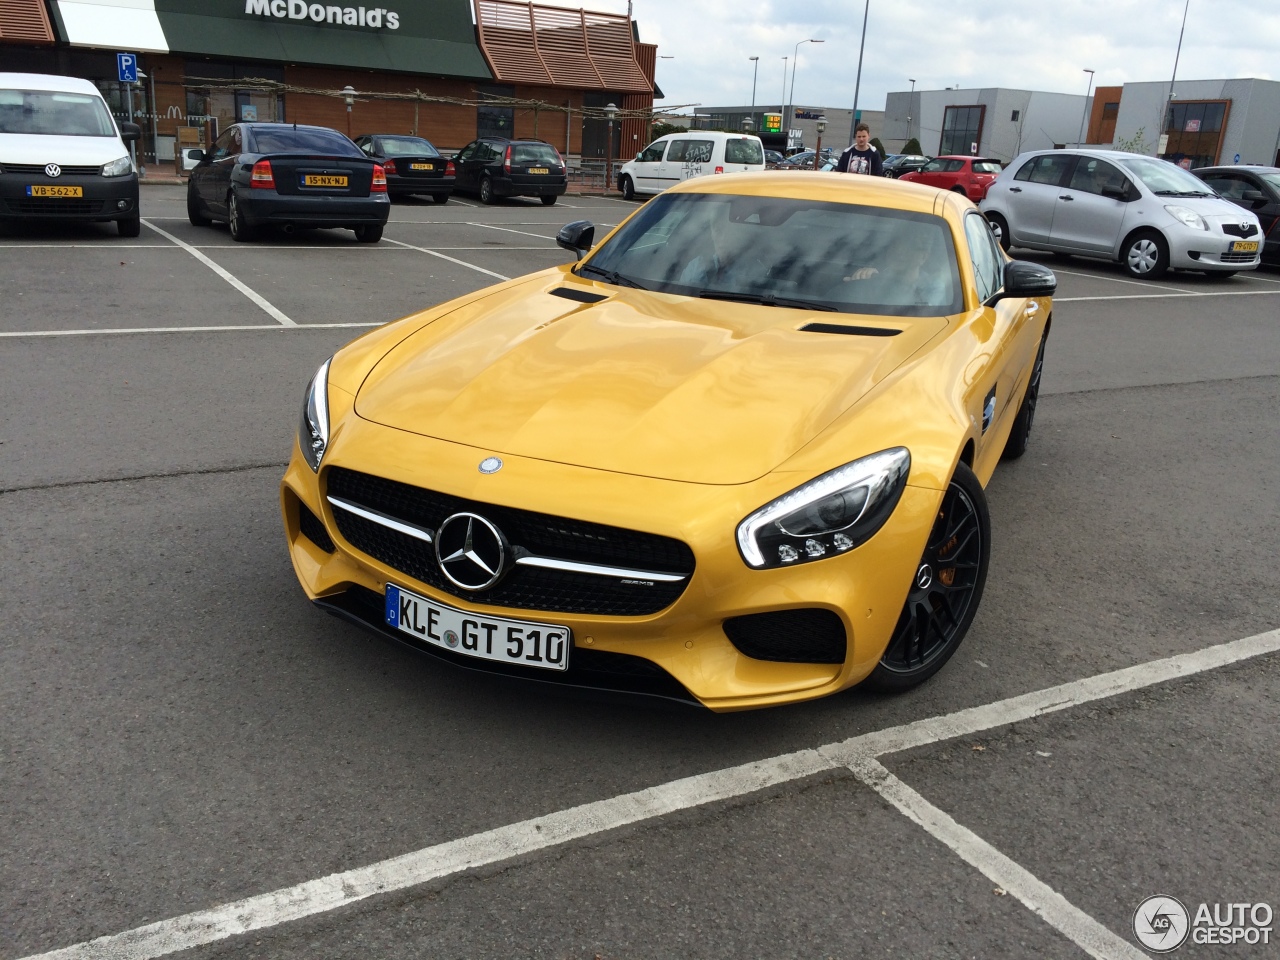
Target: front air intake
column 789, row 636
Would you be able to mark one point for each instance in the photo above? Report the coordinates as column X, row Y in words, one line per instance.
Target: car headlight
column 313, row 431
column 1187, row 216
column 118, row 168
column 828, row 515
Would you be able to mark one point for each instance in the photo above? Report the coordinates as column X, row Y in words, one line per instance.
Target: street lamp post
column 817, row 151
column 911, row 105
column 610, row 111
column 755, row 70
column 782, row 101
column 857, row 84
column 1085, row 112
column 349, row 95
column 795, row 62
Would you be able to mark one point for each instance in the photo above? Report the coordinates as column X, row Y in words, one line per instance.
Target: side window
column 222, row 146
column 491, row 152
column 653, row 152
column 988, row 268
column 237, row 145
column 934, row 166
column 743, row 151
column 1232, row 188
column 1093, row 176
column 468, row 152
column 1048, row 168
column 954, row 166
column 1024, row 171
column 690, row 151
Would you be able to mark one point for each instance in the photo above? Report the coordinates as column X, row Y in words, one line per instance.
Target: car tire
column 1219, row 274
column 241, row 232
column 440, row 198
column 130, row 226
column 1020, row 435
column 1145, row 256
column 627, row 187
column 549, row 201
column 486, row 191
column 369, row 233
column 937, row 614
column 960, row 190
column 197, row 218
column 1000, row 227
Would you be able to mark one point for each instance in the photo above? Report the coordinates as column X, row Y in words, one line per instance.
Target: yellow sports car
column 734, row 456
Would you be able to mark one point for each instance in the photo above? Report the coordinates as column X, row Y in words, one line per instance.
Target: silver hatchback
column 1147, row 214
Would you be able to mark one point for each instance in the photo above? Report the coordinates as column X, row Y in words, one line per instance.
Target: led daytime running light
column 313, row 432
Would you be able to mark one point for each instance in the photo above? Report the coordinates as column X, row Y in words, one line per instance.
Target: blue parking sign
column 127, row 67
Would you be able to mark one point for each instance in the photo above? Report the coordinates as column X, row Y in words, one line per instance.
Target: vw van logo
column 471, row 551
column 52, row 170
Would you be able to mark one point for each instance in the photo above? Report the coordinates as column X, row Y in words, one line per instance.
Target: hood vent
column 581, row 296
column 850, row 331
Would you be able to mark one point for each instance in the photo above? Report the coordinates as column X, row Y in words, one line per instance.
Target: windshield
column 1271, row 178
column 786, row 252
column 1166, row 179
column 54, row 114
column 406, row 147
column 303, row 140
column 534, row 153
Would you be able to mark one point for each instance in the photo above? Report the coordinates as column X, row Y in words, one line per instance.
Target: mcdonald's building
column 447, row 70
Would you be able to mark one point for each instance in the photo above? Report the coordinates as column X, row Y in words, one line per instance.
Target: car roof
column 45, row 81
column 269, row 124
column 1243, row 167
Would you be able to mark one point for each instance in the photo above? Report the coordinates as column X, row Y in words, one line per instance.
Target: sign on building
column 773, row 123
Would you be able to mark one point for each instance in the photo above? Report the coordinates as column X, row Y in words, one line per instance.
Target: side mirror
column 577, row 237
column 130, row 132
column 1254, row 196
column 199, row 156
column 1022, row 278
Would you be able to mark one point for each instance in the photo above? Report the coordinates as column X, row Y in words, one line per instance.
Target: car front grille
column 37, row 170
column 789, row 636
column 1239, row 229
column 1238, row 257
column 542, row 535
column 311, row 528
column 57, row 207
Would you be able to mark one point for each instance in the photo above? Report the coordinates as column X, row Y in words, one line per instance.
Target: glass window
column 955, row 166
column 222, row 147
column 1165, row 179
column 690, row 151
column 1046, row 168
column 1194, row 129
column 987, row 166
column 1094, row 176
column 542, row 153
column 406, row 147
column 934, row 166
column 302, row 140
column 1229, row 186
column 847, row 258
column 46, row 113
column 653, row 152
column 961, row 129
column 988, row 269
column 468, row 152
column 742, row 150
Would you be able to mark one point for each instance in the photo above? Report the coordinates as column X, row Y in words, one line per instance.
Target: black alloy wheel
column 241, row 232
column 627, row 187
column 486, row 190
column 194, row 213
column 1000, row 227
column 945, row 591
column 1020, row 435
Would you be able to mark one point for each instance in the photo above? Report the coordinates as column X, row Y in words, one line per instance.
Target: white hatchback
column 682, row 156
column 1147, row 214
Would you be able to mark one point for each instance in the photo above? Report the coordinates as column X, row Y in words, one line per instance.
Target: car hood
column 65, row 151
column 639, row 383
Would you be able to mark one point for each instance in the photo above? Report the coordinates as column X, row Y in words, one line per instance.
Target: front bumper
column 105, row 198
column 267, row 206
column 682, row 651
column 1195, row 249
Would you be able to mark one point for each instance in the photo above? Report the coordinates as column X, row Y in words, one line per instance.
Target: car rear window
column 986, row 166
column 51, row 113
column 528, row 153
column 742, row 150
column 298, row 140
column 407, row 147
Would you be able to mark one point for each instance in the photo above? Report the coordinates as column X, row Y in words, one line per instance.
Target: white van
column 683, row 156
column 62, row 156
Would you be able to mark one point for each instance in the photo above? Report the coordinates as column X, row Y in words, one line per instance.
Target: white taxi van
column 62, row 157
column 682, row 156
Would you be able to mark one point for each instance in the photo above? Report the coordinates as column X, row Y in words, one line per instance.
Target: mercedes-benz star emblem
column 52, row 170
column 490, row 464
column 471, row 551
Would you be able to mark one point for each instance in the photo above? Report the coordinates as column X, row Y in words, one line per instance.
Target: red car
column 968, row 175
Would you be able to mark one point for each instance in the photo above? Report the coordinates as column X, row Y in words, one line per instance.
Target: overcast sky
column 1026, row 44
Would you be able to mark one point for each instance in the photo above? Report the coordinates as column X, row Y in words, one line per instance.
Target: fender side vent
column 850, row 331
column 582, row 296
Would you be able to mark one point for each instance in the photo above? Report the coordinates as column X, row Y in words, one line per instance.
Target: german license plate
column 541, row 645
column 422, row 166
column 539, row 170
column 323, row 180
column 44, row 190
column 1244, row 246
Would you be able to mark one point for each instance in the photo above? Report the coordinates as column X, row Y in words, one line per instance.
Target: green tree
column 662, row 129
column 912, row 146
column 875, row 142
column 1135, row 144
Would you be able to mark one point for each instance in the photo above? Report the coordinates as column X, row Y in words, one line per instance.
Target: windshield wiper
column 612, row 276
column 765, row 300
column 1181, row 193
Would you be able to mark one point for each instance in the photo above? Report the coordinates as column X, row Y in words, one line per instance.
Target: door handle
column 1032, row 309
column 1066, row 197
column 1015, row 189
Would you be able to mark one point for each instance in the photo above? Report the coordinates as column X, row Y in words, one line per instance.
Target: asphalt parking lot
column 197, row 763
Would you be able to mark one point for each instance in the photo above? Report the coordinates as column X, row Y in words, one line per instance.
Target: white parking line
column 1254, row 276
column 1173, row 296
column 523, row 233
column 1103, row 276
column 115, row 330
column 248, row 291
column 461, row 263
column 96, row 246
column 528, row 836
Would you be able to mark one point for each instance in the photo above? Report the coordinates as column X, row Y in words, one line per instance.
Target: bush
column 662, row 129
column 875, row 142
column 912, row 146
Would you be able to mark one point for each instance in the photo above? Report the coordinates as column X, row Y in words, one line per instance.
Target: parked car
column 62, row 157
column 1147, row 214
column 494, row 167
column 412, row 165
column 772, row 157
column 288, row 175
column 900, row 163
column 968, row 175
column 734, row 456
column 804, row 159
column 1256, row 189
column 682, row 156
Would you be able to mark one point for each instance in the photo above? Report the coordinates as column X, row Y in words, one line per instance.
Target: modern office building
column 450, row 70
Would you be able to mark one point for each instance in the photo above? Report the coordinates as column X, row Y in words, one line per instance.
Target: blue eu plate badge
column 393, row 605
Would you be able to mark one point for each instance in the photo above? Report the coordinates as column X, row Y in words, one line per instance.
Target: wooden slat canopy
column 25, row 21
